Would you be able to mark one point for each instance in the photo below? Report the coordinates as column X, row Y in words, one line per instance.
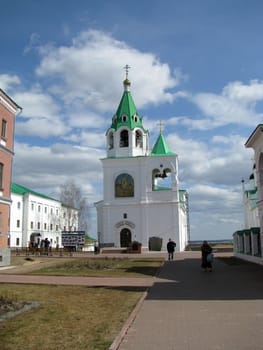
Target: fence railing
column 56, row 252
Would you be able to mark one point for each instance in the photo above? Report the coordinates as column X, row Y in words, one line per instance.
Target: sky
column 195, row 65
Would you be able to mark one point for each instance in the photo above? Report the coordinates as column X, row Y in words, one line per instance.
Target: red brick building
column 8, row 111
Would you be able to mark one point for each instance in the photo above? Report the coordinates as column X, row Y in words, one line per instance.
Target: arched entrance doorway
column 125, row 237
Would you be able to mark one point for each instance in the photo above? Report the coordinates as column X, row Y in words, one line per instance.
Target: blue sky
column 195, row 65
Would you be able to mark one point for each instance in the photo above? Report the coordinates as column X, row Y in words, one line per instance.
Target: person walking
column 207, row 257
column 170, row 249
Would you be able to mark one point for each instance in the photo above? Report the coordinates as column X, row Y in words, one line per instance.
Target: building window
column 1, row 175
column 31, row 225
column 56, row 211
column 17, row 223
column 17, row 242
column 32, row 206
column 45, row 226
column 51, row 227
column 38, row 225
column 39, row 208
column 56, row 227
column 45, row 210
column 4, row 129
column 51, row 211
column 124, row 216
column 18, row 205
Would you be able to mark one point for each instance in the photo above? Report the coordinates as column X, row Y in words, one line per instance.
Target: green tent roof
column 161, row 148
column 127, row 109
column 15, row 188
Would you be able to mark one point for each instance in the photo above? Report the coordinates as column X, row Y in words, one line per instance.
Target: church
column 142, row 201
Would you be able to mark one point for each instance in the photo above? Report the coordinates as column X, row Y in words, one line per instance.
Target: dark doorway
column 125, row 237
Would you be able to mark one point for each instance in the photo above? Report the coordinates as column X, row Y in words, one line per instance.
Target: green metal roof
column 127, row 108
column 161, row 148
column 15, row 188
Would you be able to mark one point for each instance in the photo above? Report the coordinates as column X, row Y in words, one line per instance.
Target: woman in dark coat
column 206, row 249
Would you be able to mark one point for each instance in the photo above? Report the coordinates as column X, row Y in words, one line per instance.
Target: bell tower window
column 138, row 138
column 111, row 140
column 124, row 138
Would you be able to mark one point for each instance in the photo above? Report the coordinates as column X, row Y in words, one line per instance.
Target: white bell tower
column 141, row 198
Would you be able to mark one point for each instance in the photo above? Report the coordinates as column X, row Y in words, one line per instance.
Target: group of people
column 206, row 252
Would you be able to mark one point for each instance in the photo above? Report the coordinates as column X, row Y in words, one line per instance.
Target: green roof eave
column 18, row 189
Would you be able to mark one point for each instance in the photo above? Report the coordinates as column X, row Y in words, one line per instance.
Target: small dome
column 126, row 82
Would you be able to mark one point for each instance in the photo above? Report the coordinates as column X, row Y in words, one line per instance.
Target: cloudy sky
column 196, row 65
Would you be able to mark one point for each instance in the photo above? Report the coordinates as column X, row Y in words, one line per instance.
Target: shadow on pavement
column 185, row 280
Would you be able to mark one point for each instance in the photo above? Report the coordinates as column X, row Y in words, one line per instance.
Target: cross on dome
column 126, row 82
column 161, row 124
column 127, row 67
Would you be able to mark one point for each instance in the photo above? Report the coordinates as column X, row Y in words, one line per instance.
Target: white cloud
column 246, row 94
column 41, row 127
column 235, row 105
column 214, row 212
column 91, row 70
column 88, row 139
column 218, row 161
column 87, row 119
column 7, row 81
column 37, row 104
column 46, row 168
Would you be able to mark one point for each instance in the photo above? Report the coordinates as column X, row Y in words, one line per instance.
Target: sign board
column 73, row 238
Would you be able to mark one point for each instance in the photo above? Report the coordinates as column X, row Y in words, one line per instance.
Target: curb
column 118, row 340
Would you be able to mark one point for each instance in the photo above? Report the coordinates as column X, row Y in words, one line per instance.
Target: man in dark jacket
column 170, row 249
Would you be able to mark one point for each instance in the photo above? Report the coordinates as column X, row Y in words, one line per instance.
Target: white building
column 35, row 216
column 142, row 201
column 248, row 243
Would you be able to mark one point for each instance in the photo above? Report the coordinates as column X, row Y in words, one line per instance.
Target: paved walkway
column 186, row 308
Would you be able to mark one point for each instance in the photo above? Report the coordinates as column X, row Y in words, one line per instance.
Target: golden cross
column 127, row 70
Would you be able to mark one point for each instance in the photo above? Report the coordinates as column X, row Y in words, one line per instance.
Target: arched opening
column 125, row 237
column 161, row 179
column 138, row 138
column 124, row 138
column 110, row 140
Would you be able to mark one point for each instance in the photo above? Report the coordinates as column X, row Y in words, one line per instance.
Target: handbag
column 209, row 257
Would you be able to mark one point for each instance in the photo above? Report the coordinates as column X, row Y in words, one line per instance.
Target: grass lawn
column 69, row 317
column 103, row 267
column 73, row 317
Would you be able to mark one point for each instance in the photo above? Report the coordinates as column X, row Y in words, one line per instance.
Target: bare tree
column 72, row 198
